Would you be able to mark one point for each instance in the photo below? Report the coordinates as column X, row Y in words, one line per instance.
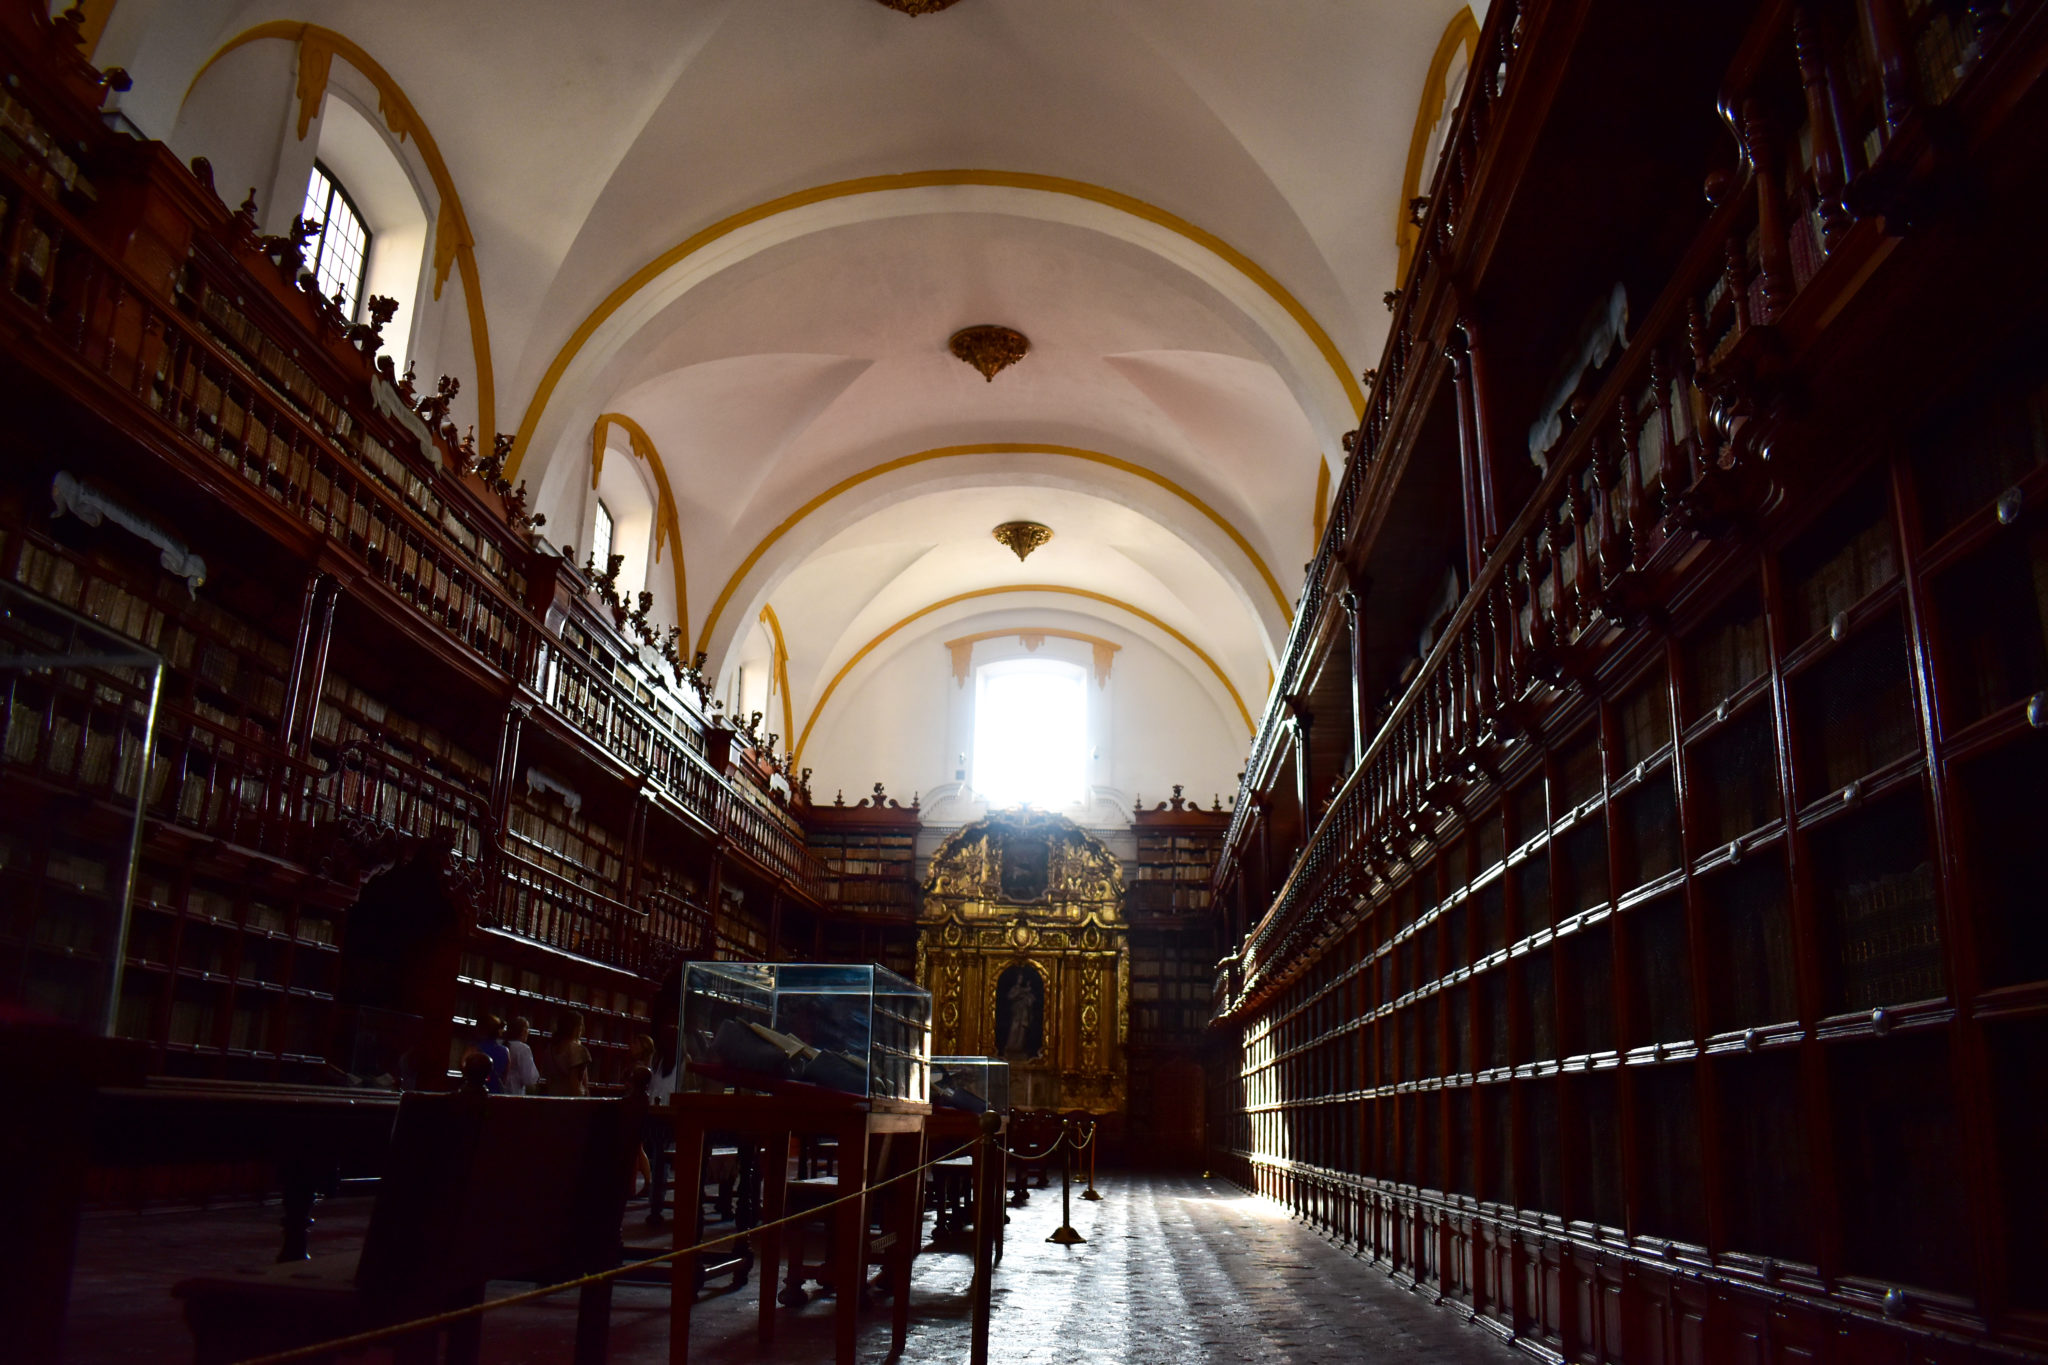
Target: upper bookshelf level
column 1612, row 331
column 128, row 287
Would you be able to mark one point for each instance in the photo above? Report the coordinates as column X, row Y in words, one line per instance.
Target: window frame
column 317, row 248
column 1084, row 740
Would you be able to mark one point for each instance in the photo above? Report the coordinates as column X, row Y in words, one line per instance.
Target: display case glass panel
column 861, row 1030
column 973, row 1084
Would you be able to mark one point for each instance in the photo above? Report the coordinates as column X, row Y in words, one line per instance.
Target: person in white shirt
column 521, row 1074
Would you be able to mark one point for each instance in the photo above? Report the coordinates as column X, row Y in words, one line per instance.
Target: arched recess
column 1059, row 589
column 666, row 527
column 1461, row 37
column 780, row 649
column 454, row 244
column 1313, row 365
column 983, row 448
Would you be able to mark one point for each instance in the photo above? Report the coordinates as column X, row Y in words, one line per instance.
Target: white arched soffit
column 571, row 390
column 817, row 522
column 1017, row 606
column 320, row 59
column 626, row 487
column 392, row 195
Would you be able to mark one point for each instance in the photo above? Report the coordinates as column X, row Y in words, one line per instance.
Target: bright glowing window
column 601, row 538
column 1031, row 733
column 340, row 254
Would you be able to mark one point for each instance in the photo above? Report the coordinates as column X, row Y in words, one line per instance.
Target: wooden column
column 1830, row 157
column 1456, row 351
column 506, row 774
column 1355, row 634
column 1885, row 28
column 1304, row 723
column 1478, row 391
column 309, row 660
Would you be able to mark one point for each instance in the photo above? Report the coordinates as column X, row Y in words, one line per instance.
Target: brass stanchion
column 1064, row 1234
column 1094, row 1133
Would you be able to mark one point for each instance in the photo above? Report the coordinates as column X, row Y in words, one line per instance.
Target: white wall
column 905, row 722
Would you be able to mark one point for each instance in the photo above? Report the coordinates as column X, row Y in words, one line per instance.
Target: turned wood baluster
column 1556, row 619
column 1660, row 397
column 1602, row 555
column 1885, row 28
column 1829, row 156
column 1573, row 604
column 1635, row 530
column 1774, row 255
column 1522, row 617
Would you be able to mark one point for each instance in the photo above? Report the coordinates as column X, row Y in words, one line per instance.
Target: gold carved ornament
column 989, row 349
column 1022, row 537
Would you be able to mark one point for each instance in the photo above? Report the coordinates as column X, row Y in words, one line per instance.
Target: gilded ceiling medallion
column 1022, row 537
column 913, row 8
column 989, row 348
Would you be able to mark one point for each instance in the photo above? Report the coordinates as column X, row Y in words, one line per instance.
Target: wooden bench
column 475, row 1188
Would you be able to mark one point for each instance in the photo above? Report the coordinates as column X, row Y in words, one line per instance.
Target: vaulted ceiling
column 751, row 226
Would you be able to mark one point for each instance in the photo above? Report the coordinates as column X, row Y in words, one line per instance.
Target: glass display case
column 861, row 1030
column 973, row 1084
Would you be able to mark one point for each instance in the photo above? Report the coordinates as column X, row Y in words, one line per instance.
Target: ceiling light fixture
column 913, row 8
column 1023, row 537
column 989, row 348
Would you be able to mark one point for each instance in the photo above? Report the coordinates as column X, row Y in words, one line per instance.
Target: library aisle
column 1175, row 1269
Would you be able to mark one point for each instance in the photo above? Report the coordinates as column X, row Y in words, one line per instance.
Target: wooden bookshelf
column 1665, row 979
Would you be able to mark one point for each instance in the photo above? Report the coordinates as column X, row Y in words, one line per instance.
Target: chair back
column 499, row 1187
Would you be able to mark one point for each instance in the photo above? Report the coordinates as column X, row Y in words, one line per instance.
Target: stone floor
column 1175, row 1269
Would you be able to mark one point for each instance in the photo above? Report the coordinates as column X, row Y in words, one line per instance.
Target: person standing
column 521, row 1074
column 660, row 1131
column 493, row 1047
column 571, row 1059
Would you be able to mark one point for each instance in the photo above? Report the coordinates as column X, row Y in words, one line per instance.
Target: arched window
column 601, row 536
column 1031, row 733
column 339, row 256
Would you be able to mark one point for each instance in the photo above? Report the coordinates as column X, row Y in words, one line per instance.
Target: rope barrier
column 369, row 1338
column 1035, row 1156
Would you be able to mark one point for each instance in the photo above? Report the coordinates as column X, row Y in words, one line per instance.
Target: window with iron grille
column 339, row 254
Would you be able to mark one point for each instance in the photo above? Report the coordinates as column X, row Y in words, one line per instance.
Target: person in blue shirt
column 492, row 1045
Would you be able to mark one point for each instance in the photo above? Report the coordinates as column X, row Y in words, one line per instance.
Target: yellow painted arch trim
column 911, row 180
column 666, row 524
column 1244, row 713
column 788, row 523
column 1462, row 32
column 781, row 652
column 451, row 230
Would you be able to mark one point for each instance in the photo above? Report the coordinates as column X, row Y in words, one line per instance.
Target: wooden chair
column 476, row 1188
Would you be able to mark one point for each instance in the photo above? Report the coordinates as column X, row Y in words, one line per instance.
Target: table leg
column 850, row 1235
column 682, row 1272
column 774, row 1205
column 909, row 1236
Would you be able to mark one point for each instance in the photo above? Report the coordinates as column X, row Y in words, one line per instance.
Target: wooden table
column 69, row 1106
column 770, row 1121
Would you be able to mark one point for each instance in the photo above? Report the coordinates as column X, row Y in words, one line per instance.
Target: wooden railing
column 1666, row 447
column 330, row 466
column 1465, row 151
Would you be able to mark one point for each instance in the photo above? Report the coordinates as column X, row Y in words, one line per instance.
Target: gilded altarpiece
column 1022, row 943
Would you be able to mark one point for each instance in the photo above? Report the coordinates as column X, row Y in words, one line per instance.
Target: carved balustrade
column 1661, row 447
column 235, row 400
